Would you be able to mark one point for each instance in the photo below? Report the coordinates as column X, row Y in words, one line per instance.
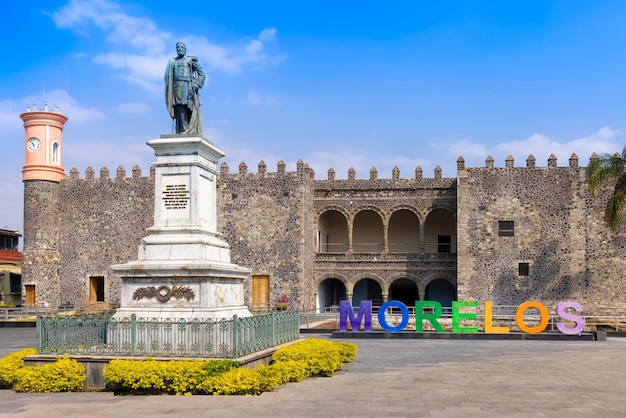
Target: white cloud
column 466, row 149
column 133, row 107
column 230, row 60
column 142, row 49
column 11, row 192
column 140, row 70
column 235, row 156
column 110, row 154
column 342, row 160
column 605, row 140
column 9, row 115
column 268, row 35
column 541, row 146
column 10, row 109
column 70, row 107
column 121, row 28
column 258, row 99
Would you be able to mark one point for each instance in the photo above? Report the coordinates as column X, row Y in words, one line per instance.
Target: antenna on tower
column 45, row 104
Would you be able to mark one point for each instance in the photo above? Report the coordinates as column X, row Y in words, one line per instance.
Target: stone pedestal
column 183, row 268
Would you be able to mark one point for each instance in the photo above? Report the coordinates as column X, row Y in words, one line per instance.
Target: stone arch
column 376, row 277
column 411, row 208
column 373, row 208
column 337, row 208
column 332, row 231
column 403, row 229
column 329, row 290
column 368, row 229
column 403, row 287
column 438, row 206
column 337, row 276
column 439, row 287
column 368, row 286
column 440, row 230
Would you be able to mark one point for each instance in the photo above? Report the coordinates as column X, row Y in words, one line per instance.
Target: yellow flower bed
column 10, row 364
column 64, row 375
column 306, row 358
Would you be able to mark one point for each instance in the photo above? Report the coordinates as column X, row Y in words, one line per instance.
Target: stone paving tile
column 415, row 378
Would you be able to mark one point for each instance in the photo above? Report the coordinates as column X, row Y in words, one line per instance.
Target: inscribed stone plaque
column 175, row 195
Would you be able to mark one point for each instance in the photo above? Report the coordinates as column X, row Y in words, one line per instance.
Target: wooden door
column 260, row 292
column 96, row 289
column 30, row 294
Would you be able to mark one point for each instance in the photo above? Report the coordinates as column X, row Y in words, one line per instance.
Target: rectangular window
column 444, row 243
column 506, row 228
column 523, row 269
column 16, row 284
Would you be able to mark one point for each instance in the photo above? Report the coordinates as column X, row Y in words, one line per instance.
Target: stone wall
column 559, row 232
column 78, row 228
column 265, row 217
column 41, row 258
column 384, row 196
column 102, row 221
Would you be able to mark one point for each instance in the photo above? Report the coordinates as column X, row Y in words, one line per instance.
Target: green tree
column 609, row 169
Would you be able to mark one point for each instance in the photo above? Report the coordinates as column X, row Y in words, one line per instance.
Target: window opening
column 506, row 228
column 523, row 269
column 444, row 243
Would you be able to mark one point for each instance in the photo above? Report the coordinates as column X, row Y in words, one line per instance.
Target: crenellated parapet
column 303, row 168
column 509, row 162
column 105, row 174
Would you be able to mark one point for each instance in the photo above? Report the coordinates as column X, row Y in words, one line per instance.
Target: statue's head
column 181, row 49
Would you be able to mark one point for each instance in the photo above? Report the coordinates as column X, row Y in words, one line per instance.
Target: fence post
column 234, row 332
column 39, row 337
column 273, row 328
column 133, row 334
column 297, row 315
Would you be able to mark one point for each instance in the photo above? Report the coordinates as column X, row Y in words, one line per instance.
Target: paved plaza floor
column 390, row 377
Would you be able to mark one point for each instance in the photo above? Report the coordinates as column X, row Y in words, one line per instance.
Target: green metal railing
column 104, row 335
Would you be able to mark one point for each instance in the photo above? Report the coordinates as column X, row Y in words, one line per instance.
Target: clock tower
column 44, row 138
column 41, row 174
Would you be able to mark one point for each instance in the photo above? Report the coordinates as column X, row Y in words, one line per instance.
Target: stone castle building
column 503, row 234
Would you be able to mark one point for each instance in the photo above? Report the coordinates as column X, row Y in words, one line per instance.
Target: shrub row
column 64, row 375
column 306, row 358
column 310, row 357
column 10, row 364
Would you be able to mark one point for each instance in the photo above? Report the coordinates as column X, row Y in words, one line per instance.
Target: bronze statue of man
column 183, row 78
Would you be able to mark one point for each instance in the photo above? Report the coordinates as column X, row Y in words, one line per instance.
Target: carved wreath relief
column 164, row 293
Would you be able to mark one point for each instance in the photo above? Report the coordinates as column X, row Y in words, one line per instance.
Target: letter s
column 578, row 320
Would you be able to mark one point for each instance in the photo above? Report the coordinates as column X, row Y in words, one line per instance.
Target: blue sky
column 335, row 83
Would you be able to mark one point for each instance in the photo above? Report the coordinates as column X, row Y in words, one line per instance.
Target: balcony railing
column 395, row 248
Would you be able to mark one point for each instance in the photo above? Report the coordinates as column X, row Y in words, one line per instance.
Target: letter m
column 347, row 311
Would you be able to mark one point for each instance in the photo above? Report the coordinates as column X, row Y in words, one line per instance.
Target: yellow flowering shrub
column 176, row 377
column 64, row 375
column 285, row 371
column 347, row 351
column 10, row 364
column 240, row 381
column 322, row 357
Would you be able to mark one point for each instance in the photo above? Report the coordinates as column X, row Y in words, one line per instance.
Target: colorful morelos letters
column 431, row 311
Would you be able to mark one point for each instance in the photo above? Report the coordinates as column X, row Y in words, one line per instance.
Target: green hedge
column 64, row 375
column 10, row 364
column 306, row 358
column 292, row 363
column 176, row 377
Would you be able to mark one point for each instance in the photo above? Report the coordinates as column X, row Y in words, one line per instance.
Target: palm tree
column 604, row 169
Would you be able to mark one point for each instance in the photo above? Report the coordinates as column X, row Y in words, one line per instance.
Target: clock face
column 33, row 144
